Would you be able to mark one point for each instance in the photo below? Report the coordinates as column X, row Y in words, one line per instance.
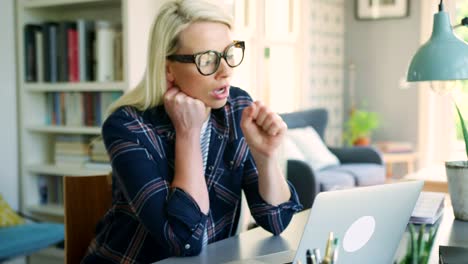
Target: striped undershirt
column 205, row 143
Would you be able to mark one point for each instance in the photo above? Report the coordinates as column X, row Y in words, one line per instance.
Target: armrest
column 301, row 176
column 357, row 155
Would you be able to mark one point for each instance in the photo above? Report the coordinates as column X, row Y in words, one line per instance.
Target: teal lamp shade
column 443, row 58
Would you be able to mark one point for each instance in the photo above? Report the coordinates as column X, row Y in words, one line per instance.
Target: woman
column 184, row 143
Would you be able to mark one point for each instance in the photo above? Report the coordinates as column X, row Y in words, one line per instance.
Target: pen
column 308, row 257
column 335, row 251
column 327, row 258
column 318, row 258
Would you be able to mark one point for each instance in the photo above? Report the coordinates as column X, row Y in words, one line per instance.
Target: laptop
column 368, row 221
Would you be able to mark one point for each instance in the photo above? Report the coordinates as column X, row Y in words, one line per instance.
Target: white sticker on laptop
column 359, row 233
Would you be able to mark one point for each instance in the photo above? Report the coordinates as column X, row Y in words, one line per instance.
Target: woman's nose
column 224, row 70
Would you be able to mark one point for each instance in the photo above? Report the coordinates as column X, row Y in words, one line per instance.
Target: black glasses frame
column 192, row 58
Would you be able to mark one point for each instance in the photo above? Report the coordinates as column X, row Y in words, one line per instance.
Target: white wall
column 381, row 51
column 8, row 132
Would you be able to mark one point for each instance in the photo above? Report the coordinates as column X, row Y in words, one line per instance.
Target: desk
column 257, row 242
column 404, row 157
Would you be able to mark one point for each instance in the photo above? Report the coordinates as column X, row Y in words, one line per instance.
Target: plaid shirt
column 148, row 221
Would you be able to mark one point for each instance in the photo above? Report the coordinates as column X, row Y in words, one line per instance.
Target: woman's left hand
column 263, row 130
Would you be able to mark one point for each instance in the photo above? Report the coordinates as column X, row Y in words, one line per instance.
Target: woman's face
column 213, row 89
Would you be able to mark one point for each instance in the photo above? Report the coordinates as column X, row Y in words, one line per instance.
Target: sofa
column 358, row 166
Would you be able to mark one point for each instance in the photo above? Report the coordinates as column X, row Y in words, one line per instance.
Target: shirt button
column 231, row 162
column 210, row 168
column 220, row 137
column 187, row 246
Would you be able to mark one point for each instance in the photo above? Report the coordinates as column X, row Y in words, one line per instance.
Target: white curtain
column 436, row 112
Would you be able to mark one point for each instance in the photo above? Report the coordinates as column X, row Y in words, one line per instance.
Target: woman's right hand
column 187, row 114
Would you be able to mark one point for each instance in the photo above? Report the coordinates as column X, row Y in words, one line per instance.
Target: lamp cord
column 441, row 6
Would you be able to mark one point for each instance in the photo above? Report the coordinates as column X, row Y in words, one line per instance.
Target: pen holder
column 331, row 252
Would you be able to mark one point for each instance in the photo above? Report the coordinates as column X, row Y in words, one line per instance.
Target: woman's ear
column 169, row 73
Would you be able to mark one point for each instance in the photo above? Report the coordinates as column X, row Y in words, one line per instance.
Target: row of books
column 81, row 151
column 73, row 51
column 71, row 150
column 78, row 108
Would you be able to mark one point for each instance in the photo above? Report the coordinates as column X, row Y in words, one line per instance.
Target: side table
column 390, row 158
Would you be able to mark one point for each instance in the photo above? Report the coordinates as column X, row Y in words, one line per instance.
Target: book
column 105, row 34
column 39, row 56
column 30, row 52
column 94, row 165
column 62, row 49
column 394, row 146
column 50, row 54
column 86, row 37
column 73, row 56
column 428, row 208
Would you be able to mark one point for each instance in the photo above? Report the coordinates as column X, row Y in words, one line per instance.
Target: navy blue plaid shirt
column 148, row 221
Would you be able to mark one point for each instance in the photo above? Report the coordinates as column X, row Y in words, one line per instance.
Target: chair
column 86, row 200
column 359, row 166
column 25, row 239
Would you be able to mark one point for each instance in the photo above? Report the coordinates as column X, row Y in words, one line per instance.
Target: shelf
column 52, row 252
column 65, row 130
column 61, row 170
column 49, row 3
column 76, row 87
column 48, row 209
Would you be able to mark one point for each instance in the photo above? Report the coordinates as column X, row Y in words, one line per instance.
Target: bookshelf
column 46, row 106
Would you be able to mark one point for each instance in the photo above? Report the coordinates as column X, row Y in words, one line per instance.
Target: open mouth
column 220, row 91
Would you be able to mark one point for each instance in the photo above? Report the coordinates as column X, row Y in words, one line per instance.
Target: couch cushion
column 312, row 147
column 333, row 179
column 364, row 173
column 291, row 150
column 27, row 238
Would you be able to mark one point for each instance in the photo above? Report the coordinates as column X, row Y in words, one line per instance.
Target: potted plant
column 419, row 244
column 457, row 178
column 360, row 126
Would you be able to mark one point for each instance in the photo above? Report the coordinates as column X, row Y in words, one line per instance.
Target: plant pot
column 362, row 141
column 457, row 178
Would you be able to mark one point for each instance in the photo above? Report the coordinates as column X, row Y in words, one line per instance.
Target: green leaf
column 463, row 126
column 414, row 245
column 421, row 241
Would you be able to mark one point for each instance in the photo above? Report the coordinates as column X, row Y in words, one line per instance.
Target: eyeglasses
column 207, row 62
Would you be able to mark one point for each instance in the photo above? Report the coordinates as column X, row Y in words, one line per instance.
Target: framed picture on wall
column 381, row 9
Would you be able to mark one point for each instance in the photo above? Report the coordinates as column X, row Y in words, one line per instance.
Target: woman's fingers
column 170, row 93
column 270, row 122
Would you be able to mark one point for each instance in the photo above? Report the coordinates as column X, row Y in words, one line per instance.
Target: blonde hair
column 173, row 17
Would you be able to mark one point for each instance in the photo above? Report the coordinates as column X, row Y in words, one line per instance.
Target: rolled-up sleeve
column 171, row 217
column 272, row 218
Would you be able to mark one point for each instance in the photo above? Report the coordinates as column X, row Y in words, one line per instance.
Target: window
column 461, row 97
column 271, row 68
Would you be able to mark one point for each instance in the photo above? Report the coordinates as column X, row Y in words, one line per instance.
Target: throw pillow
column 7, row 216
column 291, row 150
column 313, row 148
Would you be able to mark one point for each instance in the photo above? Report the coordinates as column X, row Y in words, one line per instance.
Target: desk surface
column 249, row 244
column 258, row 242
